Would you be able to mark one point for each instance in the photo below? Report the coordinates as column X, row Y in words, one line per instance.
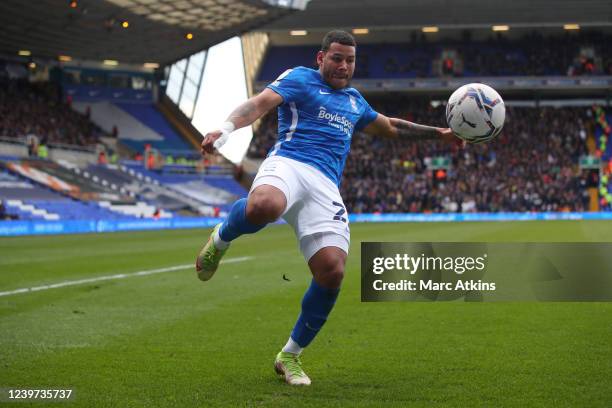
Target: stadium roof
column 324, row 14
column 156, row 29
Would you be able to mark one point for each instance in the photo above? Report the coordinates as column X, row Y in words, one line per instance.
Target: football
column 475, row 113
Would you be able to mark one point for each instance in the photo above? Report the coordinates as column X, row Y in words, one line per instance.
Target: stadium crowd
column 532, row 166
column 36, row 111
column 533, row 54
column 530, row 55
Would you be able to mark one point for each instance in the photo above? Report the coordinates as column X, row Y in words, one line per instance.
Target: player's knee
column 332, row 273
column 262, row 209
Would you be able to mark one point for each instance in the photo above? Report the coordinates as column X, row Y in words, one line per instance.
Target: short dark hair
column 337, row 36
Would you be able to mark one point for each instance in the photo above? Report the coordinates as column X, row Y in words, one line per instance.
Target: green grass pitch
column 169, row 340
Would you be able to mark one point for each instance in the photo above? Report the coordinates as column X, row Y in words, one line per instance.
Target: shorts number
column 339, row 215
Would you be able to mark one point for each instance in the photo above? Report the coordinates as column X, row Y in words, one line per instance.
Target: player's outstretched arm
column 394, row 127
column 242, row 116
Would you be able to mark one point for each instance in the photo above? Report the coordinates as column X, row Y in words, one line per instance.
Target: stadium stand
column 26, row 200
column 111, row 118
column 27, row 211
column 87, row 198
column 43, row 115
column 603, row 150
column 14, row 188
column 79, row 210
column 537, row 155
column 533, row 54
column 135, row 125
column 207, row 194
column 62, row 179
column 226, row 183
column 109, row 173
column 152, row 118
column 36, row 109
column 149, row 193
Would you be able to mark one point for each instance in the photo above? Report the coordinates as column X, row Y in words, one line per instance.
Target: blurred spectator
column 32, row 144
column 535, row 54
column 4, row 215
column 35, row 110
column 43, row 152
column 102, row 157
column 448, row 66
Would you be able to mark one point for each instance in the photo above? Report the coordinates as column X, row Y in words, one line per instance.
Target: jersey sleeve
column 289, row 85
column 368, row 116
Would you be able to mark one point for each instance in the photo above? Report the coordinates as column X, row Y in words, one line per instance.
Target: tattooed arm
column 394, row 127
column 254, row 108
column 243, row 115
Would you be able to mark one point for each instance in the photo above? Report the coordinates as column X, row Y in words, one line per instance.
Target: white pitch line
column 113, row 277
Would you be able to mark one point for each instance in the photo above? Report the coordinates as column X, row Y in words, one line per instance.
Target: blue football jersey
column 316, row 122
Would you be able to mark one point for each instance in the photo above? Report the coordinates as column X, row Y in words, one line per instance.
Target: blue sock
column 236, row 223
column 316, row 306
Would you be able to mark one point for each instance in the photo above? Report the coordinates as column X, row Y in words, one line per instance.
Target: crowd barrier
column 17, row 228
column 458, row 217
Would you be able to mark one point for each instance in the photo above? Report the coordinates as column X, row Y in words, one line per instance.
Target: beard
column 335, row 80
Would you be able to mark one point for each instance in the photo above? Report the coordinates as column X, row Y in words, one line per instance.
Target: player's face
column 337, row 65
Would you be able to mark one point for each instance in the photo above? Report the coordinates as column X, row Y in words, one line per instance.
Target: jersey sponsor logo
column 337, row 121
column 323, row 92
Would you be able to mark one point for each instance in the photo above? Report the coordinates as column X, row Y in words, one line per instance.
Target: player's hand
column 208, row 144
column 447, row 135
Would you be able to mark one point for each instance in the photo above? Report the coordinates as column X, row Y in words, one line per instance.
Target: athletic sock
column 292, row 347
column 219, row 243
column 236, row 223
column 316, row 306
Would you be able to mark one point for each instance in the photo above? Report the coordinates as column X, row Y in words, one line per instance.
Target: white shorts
column 315, row 209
